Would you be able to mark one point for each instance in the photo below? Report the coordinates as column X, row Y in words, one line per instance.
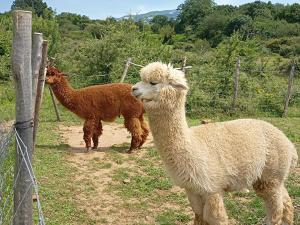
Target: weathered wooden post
column 21, row 69
column 40, row 88
column 236, row 83
column 51, row 63
column 183, row 67
column 289, row 90
column 36, row 60
column 125, row 70
column 54, row 104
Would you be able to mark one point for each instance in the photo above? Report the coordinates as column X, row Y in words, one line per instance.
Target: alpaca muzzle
column 135, row 92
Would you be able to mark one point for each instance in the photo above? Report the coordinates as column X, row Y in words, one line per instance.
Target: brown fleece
column 100, row 103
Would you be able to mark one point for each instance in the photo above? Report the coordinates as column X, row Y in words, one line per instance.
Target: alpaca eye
column 153, row 83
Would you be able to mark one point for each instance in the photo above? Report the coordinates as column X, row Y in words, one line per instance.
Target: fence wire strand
column 9, row 177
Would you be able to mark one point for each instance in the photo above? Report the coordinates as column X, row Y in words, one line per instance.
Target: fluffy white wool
column 210, row 158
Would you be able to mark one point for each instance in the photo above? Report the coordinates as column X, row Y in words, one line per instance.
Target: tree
column 50, row 31
column 158, row 22
column 292, row 13
column 212, row 28
column 238, row 23
column 5, row 46
column 257, row 9
column 97, row 30
column 192, row 11
column 166, row 32
column 39, row 7
column 72, row 19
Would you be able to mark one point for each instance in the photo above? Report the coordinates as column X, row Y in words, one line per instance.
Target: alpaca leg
column 145, row 128
column 133, row 125
column 88, row 129
column 271, row 193
column 288, row 209
column 214, row 212
column 196, row 203
column 97, row 133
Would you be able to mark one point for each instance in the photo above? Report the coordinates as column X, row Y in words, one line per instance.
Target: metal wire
column 7, row 174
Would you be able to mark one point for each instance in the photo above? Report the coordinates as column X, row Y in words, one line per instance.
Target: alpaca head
column 53, row 75
column 162, row 86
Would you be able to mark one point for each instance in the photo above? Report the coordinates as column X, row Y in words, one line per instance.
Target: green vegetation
column 265, row 36
column 138, row 187
column 57, row 187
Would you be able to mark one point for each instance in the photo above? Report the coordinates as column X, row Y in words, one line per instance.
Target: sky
column 100, row 9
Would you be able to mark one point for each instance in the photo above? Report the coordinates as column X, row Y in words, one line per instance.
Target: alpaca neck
column 168, row 126
column 176, row 145
column 64, row 94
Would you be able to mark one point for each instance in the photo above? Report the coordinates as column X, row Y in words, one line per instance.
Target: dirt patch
column 101, row 205
column 5, row 126
column 96, row 177
column 113, row 135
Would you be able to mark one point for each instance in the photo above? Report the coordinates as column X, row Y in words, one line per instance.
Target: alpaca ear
column 178, row 85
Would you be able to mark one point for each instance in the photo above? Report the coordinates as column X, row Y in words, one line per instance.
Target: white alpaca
column 210, row 159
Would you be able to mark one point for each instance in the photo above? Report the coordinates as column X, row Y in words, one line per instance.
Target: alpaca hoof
column 94, row 148
column 88, row 149
column 130, row 151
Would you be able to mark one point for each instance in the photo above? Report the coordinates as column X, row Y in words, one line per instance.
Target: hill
column 171, row 14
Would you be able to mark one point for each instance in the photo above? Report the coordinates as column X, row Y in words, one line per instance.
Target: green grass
column 7, row 162
column 147, row 184
column 55, row 176
column 140, row 190
column 171, row 217
column 56, row 179
column 7, row 102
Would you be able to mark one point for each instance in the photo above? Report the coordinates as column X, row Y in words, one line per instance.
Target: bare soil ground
column 113, row 187
column 95, row 177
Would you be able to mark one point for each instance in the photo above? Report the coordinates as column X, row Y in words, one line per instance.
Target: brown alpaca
column 101, row 103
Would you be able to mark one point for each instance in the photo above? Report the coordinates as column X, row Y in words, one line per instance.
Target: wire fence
column 9, row 176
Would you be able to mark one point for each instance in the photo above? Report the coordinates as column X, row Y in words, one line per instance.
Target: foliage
column 192, row 11
column 286, row 46
column 49, row 29
column 39, row 7
column 5, row 46
column 264, row 35
column 65, row 20
column 203, row 19
column 158, row 22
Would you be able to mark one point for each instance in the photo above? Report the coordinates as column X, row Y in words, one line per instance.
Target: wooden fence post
column 36, row 60
column 236, row 83
column 289, row 90
column 21, row 69
column 40, row 88
column 54, row 104
column 125, row 70
column 51, row 63
column 184, row 65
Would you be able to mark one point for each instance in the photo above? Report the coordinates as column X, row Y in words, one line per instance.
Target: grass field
column 138, row 184
column 136, row 188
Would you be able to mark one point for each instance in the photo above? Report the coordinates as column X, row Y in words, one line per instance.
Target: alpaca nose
column 135, row 92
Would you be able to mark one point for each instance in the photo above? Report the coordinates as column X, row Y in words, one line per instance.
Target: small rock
column 206, row 121
column 126, row 181
column 148, row 218
column 34, row 198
